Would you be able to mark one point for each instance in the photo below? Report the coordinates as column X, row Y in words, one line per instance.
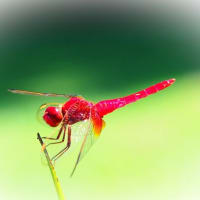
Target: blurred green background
column 149, row 149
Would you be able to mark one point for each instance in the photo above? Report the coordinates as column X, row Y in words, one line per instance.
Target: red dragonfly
column 77, row 110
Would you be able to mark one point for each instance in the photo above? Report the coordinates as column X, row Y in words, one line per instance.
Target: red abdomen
column 107, row 106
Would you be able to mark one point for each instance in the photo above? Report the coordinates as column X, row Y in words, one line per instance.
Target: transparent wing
column 41, row 94
column 88, row 140
column 78, row 132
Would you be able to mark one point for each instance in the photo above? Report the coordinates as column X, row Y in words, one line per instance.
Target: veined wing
column 78, row 133
column 88, row 140
column 41, row 94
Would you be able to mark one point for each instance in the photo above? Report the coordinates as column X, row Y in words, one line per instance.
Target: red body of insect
column 78, row 109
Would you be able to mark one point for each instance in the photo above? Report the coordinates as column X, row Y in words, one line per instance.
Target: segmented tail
column 108, row 106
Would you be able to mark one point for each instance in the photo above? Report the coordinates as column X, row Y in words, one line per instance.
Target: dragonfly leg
column 58, row 136
column 63, row 139
column 58, row 155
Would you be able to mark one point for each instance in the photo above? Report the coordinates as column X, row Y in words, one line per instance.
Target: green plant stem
column 52, row 170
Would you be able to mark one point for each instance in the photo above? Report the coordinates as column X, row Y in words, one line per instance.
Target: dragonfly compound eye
column 53, row 116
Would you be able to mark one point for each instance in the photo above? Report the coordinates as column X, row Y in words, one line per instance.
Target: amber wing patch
column 98, row 124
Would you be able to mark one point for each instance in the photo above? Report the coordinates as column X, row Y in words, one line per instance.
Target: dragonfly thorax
column 76, row 109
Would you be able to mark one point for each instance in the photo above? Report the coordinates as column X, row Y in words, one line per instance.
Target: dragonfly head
column 53, row 116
